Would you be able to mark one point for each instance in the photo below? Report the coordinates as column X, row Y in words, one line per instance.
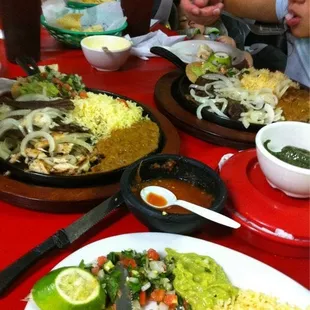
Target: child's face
column 298, row 18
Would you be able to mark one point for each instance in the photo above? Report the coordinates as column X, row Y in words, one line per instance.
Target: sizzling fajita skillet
column 19, row 171
column 181, row 88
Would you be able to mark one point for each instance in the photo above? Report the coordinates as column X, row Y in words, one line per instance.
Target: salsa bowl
column 292, row 180
column 171, row 167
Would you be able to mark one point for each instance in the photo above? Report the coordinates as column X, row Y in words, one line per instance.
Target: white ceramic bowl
column 112, row 60
column 293, row 181
column 187, row 50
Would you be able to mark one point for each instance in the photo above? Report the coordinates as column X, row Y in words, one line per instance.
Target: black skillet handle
column 28, row 65
column 162, row 52
column 13, row 271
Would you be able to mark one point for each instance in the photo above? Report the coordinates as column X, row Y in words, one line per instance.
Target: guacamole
column 200, row 280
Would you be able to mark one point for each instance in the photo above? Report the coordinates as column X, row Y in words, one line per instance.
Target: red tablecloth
column 21, row 229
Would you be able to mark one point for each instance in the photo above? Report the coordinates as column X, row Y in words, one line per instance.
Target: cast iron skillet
column 110, row 177
column 180, row 92
column 82, row 180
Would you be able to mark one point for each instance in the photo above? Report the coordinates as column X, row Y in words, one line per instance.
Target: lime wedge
column 69, row 288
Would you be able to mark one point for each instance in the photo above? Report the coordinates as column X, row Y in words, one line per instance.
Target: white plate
column 244, row 271
column 187, row 50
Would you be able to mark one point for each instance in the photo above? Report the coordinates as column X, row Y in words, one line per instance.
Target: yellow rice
column 250, row 300
column 102, row 114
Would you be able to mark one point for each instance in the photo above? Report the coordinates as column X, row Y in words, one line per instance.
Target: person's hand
column 204, row 12
column 226, row 40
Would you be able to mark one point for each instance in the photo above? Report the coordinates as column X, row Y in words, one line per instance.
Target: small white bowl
column 293, row 181
column 112, row 60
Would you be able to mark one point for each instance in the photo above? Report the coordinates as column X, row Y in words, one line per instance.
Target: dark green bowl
column 80, row 5
column 74, row 38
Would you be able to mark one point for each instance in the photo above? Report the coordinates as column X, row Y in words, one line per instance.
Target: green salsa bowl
column 74, row 38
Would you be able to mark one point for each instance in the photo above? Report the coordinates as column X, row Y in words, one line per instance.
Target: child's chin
column 299, row 32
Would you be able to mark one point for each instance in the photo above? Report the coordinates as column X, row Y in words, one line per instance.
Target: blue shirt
column 298, row 62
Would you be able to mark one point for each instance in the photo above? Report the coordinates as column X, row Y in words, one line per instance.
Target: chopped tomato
column 142, row 298
column 129, row 262
column 95, row 270
column 83, row 94
column 171, row 300
column 57, row 81
column 113, row 307
column 67, row 87
column 152, row 254
column 101, row 260
column 124, row 102
column 158, row 295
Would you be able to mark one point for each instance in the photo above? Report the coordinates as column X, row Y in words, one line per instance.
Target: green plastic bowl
column 80, row 5
column 74, row 38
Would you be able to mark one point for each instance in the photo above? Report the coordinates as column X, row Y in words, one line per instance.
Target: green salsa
column 200, row 280
column 292, row 155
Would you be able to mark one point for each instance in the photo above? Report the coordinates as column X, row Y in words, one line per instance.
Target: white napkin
column 5, row 85
column 1, row 34
column 110, row 14
column 142, row 44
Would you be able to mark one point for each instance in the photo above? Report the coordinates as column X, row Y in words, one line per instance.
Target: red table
column 21, row 229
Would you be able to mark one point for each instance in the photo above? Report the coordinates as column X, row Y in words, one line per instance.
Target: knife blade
column 124, row 297
column 61, row 239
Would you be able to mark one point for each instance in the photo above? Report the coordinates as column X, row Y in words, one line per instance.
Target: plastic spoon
column 168, row 199
column 105, row 49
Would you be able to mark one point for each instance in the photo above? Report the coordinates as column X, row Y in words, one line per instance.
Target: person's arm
column 202, row 10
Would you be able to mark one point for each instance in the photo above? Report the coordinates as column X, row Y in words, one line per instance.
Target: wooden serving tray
column 65, row 200
column 202, row 129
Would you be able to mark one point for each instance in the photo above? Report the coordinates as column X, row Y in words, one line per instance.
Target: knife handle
column 13, row 271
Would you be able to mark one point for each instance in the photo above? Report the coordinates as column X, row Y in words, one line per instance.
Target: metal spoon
column 105, row 49
column 170, row 199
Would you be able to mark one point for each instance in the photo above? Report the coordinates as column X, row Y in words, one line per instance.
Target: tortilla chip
column 193, row 71
column 70, row 21
column 15, row 90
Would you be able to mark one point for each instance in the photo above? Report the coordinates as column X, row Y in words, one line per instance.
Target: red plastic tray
column 270, row 220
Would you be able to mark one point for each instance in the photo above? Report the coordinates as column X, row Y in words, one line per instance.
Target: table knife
column 124, row 297
column 61, row 239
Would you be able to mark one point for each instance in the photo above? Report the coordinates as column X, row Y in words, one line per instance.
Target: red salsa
column 156, row 200
column 183, row 191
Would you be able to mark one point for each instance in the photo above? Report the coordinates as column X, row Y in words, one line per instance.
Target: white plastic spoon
column 170, row 199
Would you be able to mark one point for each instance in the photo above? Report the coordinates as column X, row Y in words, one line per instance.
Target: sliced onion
column 33, row 97
column 133, row 280
column 270, row 113
column 152, row 274
column 5, row 108
column 50, row 113
column 146, row 286
column 10, row 123
column 158, row 266
column 195, row 86
column 216, row 110
column 5, row 152
column 69, row 139
column 221, row 77
column 198, row 98
column 199, row 110
column 15, row 113
column 38, row 134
